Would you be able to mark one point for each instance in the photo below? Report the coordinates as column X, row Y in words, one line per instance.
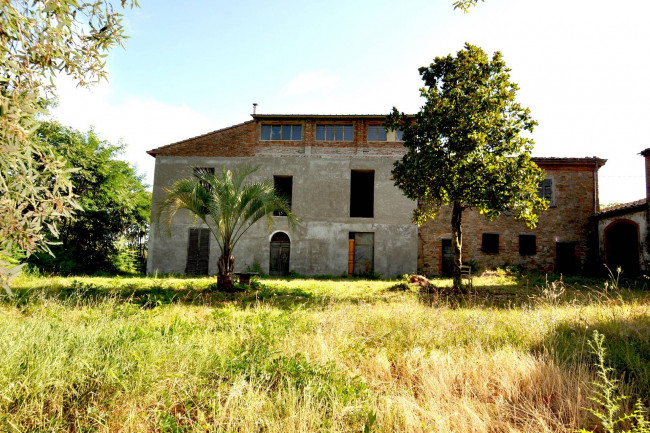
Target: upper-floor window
column 362, row 193
column 283, row 186
column 282, row 132
column 379, row 133
column 334, row 132
column 376, row 133
column 545, row 191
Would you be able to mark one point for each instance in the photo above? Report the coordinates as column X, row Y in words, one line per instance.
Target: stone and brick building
column 336, row 170
column 623, row 237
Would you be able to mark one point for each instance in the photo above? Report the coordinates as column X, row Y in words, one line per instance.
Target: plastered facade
column 321, row 173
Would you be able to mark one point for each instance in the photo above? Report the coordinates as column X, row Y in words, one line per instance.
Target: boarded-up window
column 490, row 244
column 545, row 190
column 198, row 252
column 362, row 194
column 527, row 245
column 284, row 188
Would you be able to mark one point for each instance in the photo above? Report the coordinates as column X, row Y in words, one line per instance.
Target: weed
column 609, row 399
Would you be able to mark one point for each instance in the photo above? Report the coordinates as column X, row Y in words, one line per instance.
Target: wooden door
column 565, row 258
column 364, row 253
column 447, row 260
column 198, row 252
column 280, row 254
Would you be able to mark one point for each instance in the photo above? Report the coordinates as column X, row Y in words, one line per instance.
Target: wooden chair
column 466, row 274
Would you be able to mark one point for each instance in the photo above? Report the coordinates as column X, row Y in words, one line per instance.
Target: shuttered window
column 198, row 252
column 545, row 190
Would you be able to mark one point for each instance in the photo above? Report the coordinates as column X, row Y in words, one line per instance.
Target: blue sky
column 190, row 67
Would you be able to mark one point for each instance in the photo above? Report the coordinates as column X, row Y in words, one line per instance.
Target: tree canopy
column 114, row 203
column 39, row 40
column 465, row 147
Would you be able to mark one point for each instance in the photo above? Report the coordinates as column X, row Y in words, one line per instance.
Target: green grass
column 171, row 354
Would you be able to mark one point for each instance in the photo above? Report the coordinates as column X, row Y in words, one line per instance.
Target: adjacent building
column 336, row 169
column 623, row 232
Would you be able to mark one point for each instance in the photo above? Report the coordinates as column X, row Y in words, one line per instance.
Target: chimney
column 646, row 155
column 255, row 110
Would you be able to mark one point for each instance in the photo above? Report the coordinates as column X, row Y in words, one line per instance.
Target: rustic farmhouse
column 336, row 169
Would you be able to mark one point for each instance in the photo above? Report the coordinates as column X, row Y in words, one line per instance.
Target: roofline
column 322, row 116
column 622, row 209
column 154, row 152
column 569, row 161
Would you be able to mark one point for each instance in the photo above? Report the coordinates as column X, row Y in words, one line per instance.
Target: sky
column 194, row 66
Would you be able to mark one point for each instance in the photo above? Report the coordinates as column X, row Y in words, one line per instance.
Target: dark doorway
column 363, row 256
column 198, row 252
column 447, row 265
column 622, row 247
column 280, row 251
column 565, row 258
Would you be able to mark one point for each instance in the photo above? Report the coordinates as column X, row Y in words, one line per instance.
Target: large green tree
column 465, row 147
column 228, row 205
column 40, row 39
column 114, row 204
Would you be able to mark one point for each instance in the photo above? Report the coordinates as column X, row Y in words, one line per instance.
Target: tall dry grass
column 303, row 356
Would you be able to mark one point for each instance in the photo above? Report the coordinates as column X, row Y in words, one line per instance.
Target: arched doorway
column 622, row 247
column 280, row 251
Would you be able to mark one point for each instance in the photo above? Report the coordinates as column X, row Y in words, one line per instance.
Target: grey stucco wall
column 321, row 199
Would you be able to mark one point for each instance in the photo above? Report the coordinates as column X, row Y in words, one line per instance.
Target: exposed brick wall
column 238, row 140
column 567, row 221
column 244, row 139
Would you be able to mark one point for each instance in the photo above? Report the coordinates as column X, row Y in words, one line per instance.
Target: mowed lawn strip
column 170, row 354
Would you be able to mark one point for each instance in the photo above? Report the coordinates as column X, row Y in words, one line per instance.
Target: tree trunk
column 225, row 276
column 457, row 242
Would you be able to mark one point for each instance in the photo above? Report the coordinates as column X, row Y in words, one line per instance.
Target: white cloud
column 141, row 124
column 311, row 82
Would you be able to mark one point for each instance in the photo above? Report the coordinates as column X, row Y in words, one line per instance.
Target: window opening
column 490, row 244
column 334, row 132
column 362, row 194
column 284, row 188
column 376, row 133
column 281, row 132
column 527, row 245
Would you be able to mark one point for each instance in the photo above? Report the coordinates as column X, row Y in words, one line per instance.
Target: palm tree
column 228, row 205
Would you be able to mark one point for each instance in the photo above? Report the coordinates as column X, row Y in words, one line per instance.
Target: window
column 283, row 187
column 527, row 245
column 490, row 244
column 198, row 252
column 362, row 193
column 376, row 133
column 379, row 133
column 282, row 132
column 334, row 132
column 545, row 190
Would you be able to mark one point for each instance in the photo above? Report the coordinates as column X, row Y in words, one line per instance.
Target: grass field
column 172, row 355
